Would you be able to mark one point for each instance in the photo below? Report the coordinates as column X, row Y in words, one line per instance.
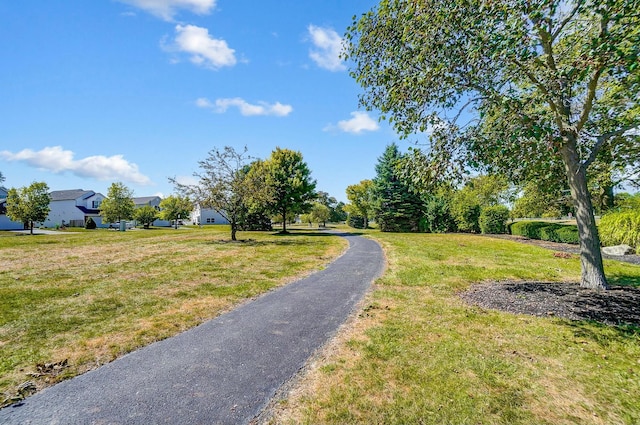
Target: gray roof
column 142, row 200
column 68, row 195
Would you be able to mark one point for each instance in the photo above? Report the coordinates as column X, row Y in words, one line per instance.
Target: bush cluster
column 620, row 228
column 552, row 232
column 90, row 223
column 493, row 219
column 355, row 222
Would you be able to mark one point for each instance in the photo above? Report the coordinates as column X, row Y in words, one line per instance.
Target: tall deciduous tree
column 360, row 197
column 537, row 83
column 29, row 204
column 223, row 185
column 118, row 205
column 173, row 208
column 289, row 183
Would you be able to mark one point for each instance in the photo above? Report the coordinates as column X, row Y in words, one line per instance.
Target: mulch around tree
column 616, row 306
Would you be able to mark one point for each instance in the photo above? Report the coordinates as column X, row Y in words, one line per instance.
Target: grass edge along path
column 417, row 354
column 94, row 296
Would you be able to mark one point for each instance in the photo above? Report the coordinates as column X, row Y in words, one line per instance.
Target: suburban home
column 5, row 222
column 151, row 201
column 203, row 216
column 73, row 207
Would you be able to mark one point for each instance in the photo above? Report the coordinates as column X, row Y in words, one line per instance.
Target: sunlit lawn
column 418, row 355
column 90, row 297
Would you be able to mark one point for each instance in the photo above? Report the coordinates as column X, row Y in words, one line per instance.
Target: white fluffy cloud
column 328, row 46
column 58, row 160
column 359, row 122
column 247, row 109
column 204, row 50
column 167, row 9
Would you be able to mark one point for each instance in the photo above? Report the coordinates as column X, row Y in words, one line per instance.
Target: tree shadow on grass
column 320, row 233
column 291, row 237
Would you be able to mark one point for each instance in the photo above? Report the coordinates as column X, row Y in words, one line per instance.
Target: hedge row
column 553, row 232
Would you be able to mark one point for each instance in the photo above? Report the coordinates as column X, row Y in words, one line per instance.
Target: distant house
column 73, row 207
column 152, row 201
column 5, row 222
column 203, row 216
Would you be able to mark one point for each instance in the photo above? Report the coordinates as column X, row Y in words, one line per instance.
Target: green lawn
column 92, row 296
column 417, row 354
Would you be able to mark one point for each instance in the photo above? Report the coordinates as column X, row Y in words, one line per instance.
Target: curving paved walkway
column 222, row 372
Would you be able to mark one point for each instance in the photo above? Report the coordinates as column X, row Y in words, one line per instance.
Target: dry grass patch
column 90, row 297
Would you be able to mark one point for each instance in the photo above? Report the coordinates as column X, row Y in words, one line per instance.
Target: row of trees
column 245, row 190
column 249, row 193
column 119, row 206
column 396, row 206
column 30, row 204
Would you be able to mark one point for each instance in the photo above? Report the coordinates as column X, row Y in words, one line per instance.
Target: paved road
column 222, row 372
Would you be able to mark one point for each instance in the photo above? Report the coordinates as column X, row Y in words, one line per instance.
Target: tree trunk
column 31, row 227
column 284, row 220
column 234, row 229
column 590, row 256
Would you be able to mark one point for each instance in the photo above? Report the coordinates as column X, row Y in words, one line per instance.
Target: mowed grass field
column 417, row 354
column 91, row 296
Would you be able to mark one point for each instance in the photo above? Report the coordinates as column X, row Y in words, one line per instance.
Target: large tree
column 289, row 184
column 118, row 205
column 223, row 185
column 512, row 85
column 29, row 204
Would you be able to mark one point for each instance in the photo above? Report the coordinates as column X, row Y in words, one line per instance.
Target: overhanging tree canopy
column 511, row 85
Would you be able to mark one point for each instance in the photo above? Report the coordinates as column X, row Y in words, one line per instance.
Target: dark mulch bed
column 617, row 306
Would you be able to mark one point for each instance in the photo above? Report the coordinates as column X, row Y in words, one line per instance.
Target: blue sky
column 137, row 91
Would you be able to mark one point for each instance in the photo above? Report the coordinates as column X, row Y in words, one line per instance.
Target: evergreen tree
column 396, row 208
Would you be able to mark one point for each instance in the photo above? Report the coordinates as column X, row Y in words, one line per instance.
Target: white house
column 204, row 216
column 74, row 207
column 152, row 201
column 5, row 222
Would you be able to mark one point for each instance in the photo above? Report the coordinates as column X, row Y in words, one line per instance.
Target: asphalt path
column 224, row 371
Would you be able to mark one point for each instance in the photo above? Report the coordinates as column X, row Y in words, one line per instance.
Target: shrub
column 437, row 216
column 620, row 228
column 528, row 229
column 90, row 223
column 493, row 219
column 466, row 217
column 568, row 234
column 355, row 222
column 563, row 233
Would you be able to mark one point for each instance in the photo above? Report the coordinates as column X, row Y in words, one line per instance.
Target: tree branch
column 603, row 138
column 593, row 82
column 566, row 20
